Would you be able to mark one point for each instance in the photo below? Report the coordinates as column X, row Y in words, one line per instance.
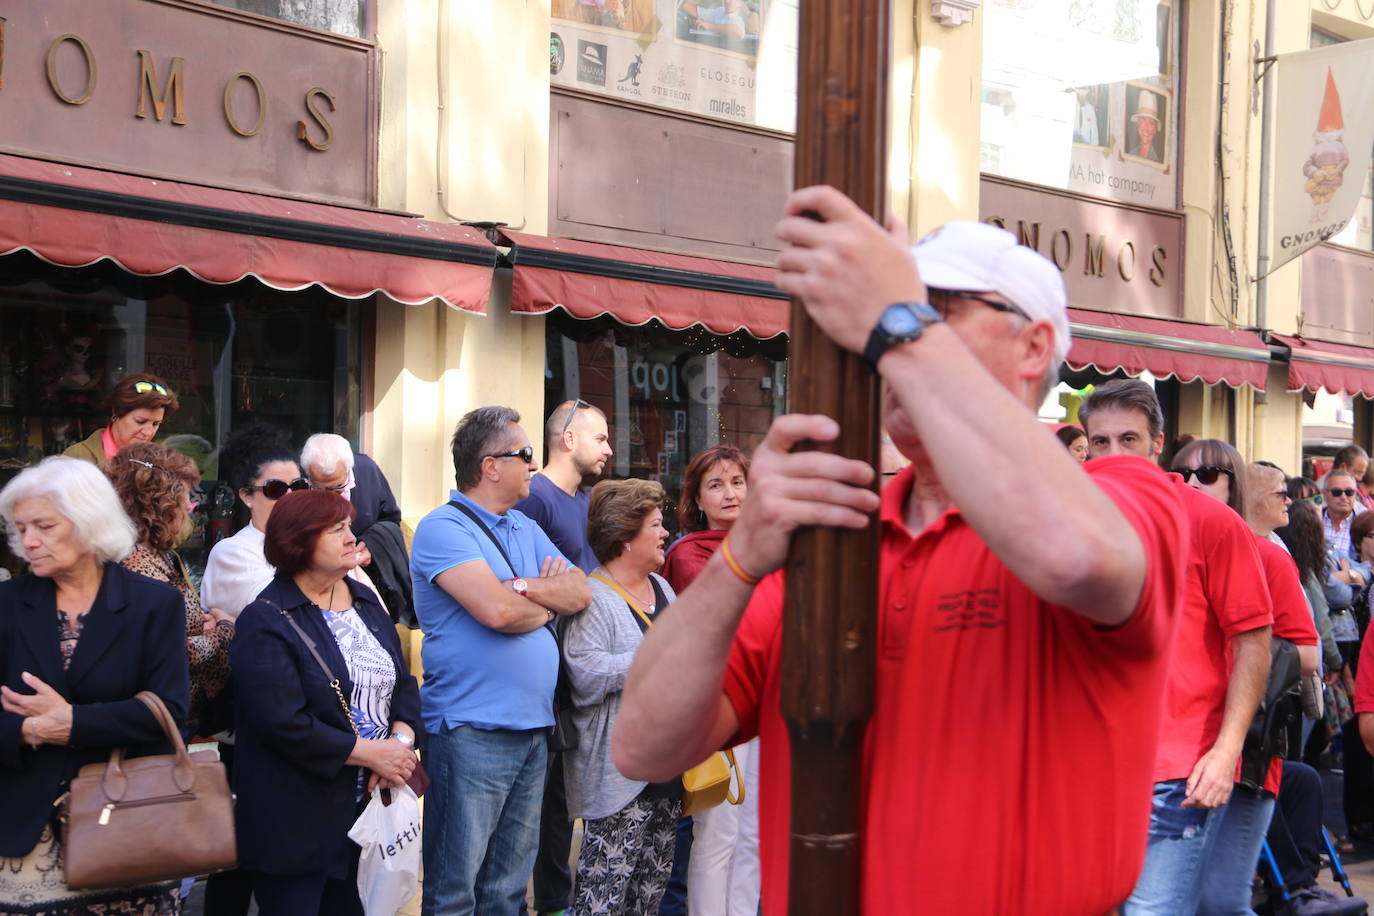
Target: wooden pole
column 832, row 574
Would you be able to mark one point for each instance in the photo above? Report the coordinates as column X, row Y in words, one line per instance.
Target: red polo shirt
column 1225, row 595
column 1007, row 764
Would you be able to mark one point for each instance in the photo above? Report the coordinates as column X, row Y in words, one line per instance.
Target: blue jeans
column 481, row 824
column 1230, row 869
column 1180, row 842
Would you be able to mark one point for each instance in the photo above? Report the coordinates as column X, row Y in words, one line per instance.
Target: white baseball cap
column 974, row 257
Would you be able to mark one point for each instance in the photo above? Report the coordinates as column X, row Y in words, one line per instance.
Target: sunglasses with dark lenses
column 275, row 489
column 145, row 387
column 1339, row 492
column 1206, row 475
column 944, row 295
column 525, row 454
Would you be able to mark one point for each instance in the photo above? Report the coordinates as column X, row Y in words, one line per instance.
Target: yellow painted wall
column 464, row 136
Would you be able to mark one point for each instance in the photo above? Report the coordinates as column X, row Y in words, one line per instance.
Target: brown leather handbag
column 132, row 822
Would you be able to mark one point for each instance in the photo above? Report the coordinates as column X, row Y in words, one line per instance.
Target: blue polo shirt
column 475, row 675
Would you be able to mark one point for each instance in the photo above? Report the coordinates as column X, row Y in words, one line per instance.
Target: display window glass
column 232, row 355
column 735, row 60
column 1099, row 113
column 667, row 395
column 342, row 17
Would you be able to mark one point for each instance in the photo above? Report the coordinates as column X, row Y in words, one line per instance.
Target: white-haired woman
column 79, row 637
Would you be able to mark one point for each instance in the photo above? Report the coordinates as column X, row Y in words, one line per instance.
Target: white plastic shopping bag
column 389, row 866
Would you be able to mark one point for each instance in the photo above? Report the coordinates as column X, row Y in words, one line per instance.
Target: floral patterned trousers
column 625, row 859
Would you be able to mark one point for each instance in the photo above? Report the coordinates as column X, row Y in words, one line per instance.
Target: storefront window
column 232, row 354
column 735, row 60
column 342, row 17
column 667, row 394
column 1084, row 96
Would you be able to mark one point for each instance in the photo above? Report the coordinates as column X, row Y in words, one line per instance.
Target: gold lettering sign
column 1157, row 271
column 229, row 104
column 1124, row 266
column 1095, row 251
column 1062, row 262
column 147, row 87
column 1093, row 255
column 302, row 129
column 51, row 67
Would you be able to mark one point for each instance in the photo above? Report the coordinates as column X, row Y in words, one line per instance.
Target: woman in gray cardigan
column 629, row 826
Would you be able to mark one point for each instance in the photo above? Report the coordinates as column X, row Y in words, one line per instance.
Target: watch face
column 900, row 321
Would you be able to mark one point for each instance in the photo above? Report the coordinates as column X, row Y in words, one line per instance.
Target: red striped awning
column 1337, row 368
column 76, row 216
column 634, row 286
column 1164, row 348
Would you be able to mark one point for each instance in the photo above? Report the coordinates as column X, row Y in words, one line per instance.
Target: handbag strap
column 477, row 519
column 319, row 659
column 641, row 618
column 183, row 771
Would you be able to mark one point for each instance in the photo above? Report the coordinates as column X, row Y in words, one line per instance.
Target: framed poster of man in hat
column 1145, row 133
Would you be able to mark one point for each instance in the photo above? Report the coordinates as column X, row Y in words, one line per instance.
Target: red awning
column 1339, row 368
column 1166, row 348
column 587, row 280
column 76, row 216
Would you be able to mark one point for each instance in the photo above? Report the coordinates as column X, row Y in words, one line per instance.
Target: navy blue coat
column 133, row 638
column 371, row 497
column 296, row 793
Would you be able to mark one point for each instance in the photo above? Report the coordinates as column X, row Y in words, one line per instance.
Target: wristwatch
column 404, row 739
column 899, row 323
column 520, row 587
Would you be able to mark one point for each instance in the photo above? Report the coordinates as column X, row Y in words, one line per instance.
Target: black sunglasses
column 945, row 295
column 275, row 489
column 1339, row 492
column 525, row 454
column 1207, row 475
column 577, row 405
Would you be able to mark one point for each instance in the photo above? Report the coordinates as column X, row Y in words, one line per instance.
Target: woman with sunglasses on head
column 154, row 484
column 138, row 406
column 1218, row 470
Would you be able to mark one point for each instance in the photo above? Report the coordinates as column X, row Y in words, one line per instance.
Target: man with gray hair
column 1019, row 676
column 488, row 585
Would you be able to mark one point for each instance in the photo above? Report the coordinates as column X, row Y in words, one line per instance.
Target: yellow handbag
column 707, row 784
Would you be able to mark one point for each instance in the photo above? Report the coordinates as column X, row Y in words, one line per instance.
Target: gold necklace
column 648, row 604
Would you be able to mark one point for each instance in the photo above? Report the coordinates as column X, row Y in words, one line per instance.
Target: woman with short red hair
column 325, row 711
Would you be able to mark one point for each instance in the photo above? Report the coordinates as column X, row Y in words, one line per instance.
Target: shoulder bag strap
column 641, row 618
column 551, row 626
column 319, row 659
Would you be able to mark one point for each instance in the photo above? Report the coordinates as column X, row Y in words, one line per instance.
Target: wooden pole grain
column 832, row 574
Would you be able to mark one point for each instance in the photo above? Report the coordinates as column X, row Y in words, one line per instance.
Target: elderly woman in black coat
column 309, row 752
column 79, row 637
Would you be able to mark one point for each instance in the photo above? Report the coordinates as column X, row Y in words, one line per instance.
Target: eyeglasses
column 1206, row 475
column 525, row 454
column 946, row 294
column 1281, row 494
column 145, row 387
column 333, row 488
column 275, row 489
column 577, row 405
column 1338, row 492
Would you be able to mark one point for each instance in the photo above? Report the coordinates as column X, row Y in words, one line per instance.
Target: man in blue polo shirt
column 578, row 441
column 487, row 584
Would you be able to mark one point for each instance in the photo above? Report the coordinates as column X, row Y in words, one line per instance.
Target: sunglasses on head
column 275, row 489
column 577, row 405
column 525, row 454
column 145, row 387
column 1206, row 475
column 1340, row 492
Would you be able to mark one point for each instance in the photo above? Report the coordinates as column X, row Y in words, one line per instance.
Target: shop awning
column 1338, row 368
column 1166, row 348
column 588, row 280
column 75, row 216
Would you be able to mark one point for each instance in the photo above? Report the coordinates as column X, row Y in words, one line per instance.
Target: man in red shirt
column 1019, row 676
column 1226, row 614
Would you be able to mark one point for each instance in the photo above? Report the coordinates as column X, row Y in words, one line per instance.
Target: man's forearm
column 565, row 593
column 672, row 698
column 1249, row 674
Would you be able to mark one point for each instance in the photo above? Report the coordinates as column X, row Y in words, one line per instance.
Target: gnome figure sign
column 1326, row 164
column 1318, row 175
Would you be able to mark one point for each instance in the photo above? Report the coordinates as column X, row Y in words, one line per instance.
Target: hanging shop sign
column 193, row 93
column 1114, row 257
column 735, row 60
column 1322, row 137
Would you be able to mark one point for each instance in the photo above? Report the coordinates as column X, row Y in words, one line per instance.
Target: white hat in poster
column 1323, row 135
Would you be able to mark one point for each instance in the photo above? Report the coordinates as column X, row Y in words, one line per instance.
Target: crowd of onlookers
column 533, row 591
